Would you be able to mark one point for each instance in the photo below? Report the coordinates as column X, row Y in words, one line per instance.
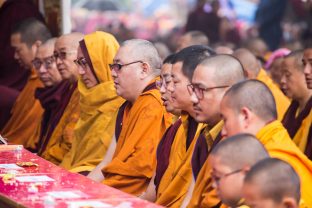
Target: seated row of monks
column 198, row 129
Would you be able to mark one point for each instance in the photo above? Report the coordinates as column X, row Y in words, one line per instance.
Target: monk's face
column 226, row 181
column 166, row 81
column 276, row 71
column 181, row 99
column 307, row 62
column 86, row 74
column 293, row 80
column 233, row 121
column 128, row 76
column 45, row 66
column 206, row 102
column 254, row 199
column 22, row 53
column 65, row 55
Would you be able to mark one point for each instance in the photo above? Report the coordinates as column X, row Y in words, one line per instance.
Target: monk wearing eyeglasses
column 57, row 142
column 210, row 80
column 173, row 172
column 99, row 103
column 26, row 113
column 249, row 107
column 130, row 161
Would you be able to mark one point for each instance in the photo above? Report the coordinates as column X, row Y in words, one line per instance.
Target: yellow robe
column 204, row 195
column 99, row 106
column 177, row 178
column 134, row 160
column 26, row 114
column 282, row 102
column 61, row 139
column 279, row 145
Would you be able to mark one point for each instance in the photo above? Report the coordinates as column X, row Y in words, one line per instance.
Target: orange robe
column 26, row 114
column 204, row 195
column 134, row 160
column 177, row 178
column 276, row 140
column 61, row 139
column 98, row 106
column 282, row 102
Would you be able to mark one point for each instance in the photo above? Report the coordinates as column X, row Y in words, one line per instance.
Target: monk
column 230, row 160
column 272, row 183
column 99, row 103
column 254, row 71
column 165, row 82
column 210, row 80
column 249, row 107
column 298, row 118
column 307, row 62
column 50, row 95
column 173, row 172
column 55, row 145
column 192, row 38
column 141, row 120
column 26, row 112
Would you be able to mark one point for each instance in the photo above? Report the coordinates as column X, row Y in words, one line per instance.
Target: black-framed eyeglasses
column 47, row 62
column 117, row 67
column 62, row 55
column 199, row 91
column 217, row 179
column 81, row 62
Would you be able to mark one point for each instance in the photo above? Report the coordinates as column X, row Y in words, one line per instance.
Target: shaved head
column 71, row 40
column 275, row 179
column 297, row 55
column 240, row 151
column 144, row 50
column 49, row 43
column 249, row 62
column 227, row 69
column 254, row 95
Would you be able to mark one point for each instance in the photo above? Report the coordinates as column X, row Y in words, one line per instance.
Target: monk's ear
column 145, row 69
column 35, row 46
column 245, row 116
column 289, row 202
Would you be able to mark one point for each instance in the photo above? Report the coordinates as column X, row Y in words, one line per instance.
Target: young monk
column 164, row 82
column 141, row 120
column 57, row 143
column 254, row 71
column 230, row 160
column 249, row 107
column 99, row 103
column 307, row 62
column 26, row 113
column 210, row 80
column 173, row 172
column 298, row 117
column 272, row 183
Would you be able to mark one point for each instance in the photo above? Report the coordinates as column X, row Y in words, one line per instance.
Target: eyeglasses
column 163, row 82
column 117, row 67
column 62, row 55
column 81, row 62
column 216, row 179
column 47, row 62
column 199, row 91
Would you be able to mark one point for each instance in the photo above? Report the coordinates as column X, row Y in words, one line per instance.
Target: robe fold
column 299, row 126
column 8, row 98
column 61, row 138
column 25, row 114
column 282, row 102
column 134, row 160
column 177, row 178
column 276, row 140
column 98, row 106
column 204, row 195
